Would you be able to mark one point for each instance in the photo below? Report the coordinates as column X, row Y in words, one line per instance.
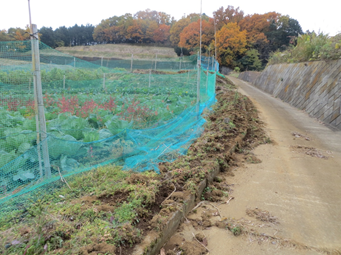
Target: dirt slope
column 289, row 203
column 121, row 51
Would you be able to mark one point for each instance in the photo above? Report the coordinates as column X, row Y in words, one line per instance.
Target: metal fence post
column 198, row 83
column 187, row 76
column 39, row 98
column 29, row 84
column 131, row 62
column 150, row 73
column 155, row 61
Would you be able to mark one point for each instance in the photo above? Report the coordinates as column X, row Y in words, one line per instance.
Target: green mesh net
column 95, row 115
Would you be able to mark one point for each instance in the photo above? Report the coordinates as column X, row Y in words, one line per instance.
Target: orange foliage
column 135, row 31
column 222, row 17
column 189, row 37
column 231, row 43
column 256, row 25
column 161, row 33
column 176, row 30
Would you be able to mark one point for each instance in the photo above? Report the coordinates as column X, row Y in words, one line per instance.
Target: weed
column 267, row 140
column 236, row 96
column 191, row 186
column 236, row 231
column 232, row 125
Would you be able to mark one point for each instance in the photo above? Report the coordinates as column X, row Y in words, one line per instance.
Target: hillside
column 121, row 51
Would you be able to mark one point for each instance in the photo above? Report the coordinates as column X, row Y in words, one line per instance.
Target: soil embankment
column 286, row 197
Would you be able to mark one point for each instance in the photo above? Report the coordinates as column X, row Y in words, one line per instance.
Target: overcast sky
column 315, row 15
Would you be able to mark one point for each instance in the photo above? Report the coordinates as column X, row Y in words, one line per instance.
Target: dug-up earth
column 277, row 192
column 284, row 197
column 109, row 211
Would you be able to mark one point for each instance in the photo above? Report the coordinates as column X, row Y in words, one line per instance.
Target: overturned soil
column 284, row 196
column 232, row 125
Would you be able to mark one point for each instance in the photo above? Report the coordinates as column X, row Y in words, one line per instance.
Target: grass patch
column 103, row 206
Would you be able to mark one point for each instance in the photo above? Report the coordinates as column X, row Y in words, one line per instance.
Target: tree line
column 62, row 36
column 242, row 41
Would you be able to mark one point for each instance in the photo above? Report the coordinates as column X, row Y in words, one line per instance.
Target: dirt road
column 298, row 182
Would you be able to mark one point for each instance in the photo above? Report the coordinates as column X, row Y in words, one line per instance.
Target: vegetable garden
column 94, row 116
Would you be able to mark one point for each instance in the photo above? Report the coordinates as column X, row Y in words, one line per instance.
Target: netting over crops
column 182, row 63
column 95, row 115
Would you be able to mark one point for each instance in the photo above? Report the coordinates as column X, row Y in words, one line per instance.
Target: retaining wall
column 311, row 86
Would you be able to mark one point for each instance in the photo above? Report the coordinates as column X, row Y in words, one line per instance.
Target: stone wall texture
column 311, row 86
column 249, row 76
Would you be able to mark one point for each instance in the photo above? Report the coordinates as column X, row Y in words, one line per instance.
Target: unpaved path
column 295, row 184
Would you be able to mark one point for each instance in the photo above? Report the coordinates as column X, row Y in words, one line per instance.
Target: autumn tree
column 256, row 25
column 135, row 32
column 231, row 44
column 190, row 36
column 230, row 14
column 4, row 36
column 176, row 30
column 19, row 34
column 113, row 29
column 161, row 34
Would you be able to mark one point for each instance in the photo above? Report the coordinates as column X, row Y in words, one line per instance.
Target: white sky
column 315, row 15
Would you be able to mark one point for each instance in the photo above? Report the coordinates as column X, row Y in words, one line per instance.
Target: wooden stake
column 39, row 98
column 37, row 129
column 64, row 82
column 150, row 73
column 155, row 61
column 188, row 77
column 131, row 62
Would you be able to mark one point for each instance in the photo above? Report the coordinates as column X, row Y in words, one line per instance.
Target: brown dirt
column 112, row 200
column 298, row 193
column 234, row 115
column 310, row 151
column 262, row 215
column 234, row 120
column 119, row 51
column 146, row 71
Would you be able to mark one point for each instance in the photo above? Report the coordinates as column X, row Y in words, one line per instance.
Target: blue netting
column 136, row 120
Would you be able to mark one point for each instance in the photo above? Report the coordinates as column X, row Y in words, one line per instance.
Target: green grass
column 83, row 215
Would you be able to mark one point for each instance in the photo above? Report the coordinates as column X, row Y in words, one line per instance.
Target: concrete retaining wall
column 312, row 86
column 249, row 76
